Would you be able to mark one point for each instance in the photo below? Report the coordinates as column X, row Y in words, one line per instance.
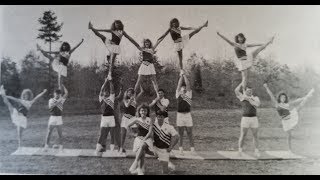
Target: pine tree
column 48, row 32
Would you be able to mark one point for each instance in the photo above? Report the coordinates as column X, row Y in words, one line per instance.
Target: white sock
column 192, row 149
column 180, row 148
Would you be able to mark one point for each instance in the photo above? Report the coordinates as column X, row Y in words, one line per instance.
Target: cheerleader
column 107, row 119
column 147, row 67
column 184, row 118
column 130, row 104
column 113, row 45
column 19, row 113
column 288, row 112
column 55, row 120
column 161, row 104
column 143, row 142
column 61, row 59
column 245, row 60
column 179, row 40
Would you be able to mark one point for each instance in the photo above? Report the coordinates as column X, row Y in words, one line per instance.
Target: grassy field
column 214, row 130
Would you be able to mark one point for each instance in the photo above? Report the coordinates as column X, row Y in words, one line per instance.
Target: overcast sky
column 297, row 29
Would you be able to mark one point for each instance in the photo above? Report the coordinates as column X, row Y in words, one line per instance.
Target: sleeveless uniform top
column 143, row 127
column 184, row 102
column 248, row 109
column 22, row 107
column 130, row 111
column 107, row 105
column 64, row 57
column 57, row 109
column 240, row 51
column 283, row 111
column 163, row 134
column 175, row 34
column 147, row 56
column 163, row 102
column 116, row 37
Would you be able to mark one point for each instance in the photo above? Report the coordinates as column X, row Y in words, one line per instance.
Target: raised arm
column 111, row 87
column 76, row 46
column 180, row 83
column 46, row 52
column 96, row 32
column 14, row 99
column 273, row 99
column 254, row 45
column 154, row 101
column 103, row 87
column 66, row 92
column 39, row 96
column 133, row 123
column 120, row 94
column 237, row 91
column 187, row 28
column 164, row 35
column 132, row 40
column 226, row 39
column 186, row 80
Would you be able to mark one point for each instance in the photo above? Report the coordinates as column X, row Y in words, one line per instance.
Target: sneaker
column 135, row 171
column 140, row 171
column 171, row 166
column 111, row 147
column 257, row 153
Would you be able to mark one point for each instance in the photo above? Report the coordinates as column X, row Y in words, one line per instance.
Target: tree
column 10, row 77
column 48, row 32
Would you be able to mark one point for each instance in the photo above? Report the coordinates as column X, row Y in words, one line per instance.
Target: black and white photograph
column 159, row 90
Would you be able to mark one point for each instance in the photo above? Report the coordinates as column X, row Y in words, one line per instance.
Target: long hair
column 240, row 35
column 126, row 93
column 144, row 41
column 113, row 25
column 282, row 94
column 144, row 106
column 29, row 92
column 68, row 47
column 174, row 20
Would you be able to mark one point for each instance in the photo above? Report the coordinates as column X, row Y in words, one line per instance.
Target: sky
column 296, row 30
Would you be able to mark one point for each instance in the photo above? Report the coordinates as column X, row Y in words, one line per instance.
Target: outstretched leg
column 258, row 50
column 305, row 99
column 198, row 30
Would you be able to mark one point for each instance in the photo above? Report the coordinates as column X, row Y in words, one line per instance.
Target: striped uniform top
column 184, row 101
column 176, row 34
column 64, row 57
column 107, row 105
column 143, row 126
column 56, row 106
column 22, row 107
column 116, row 37
column 163, row 102
column 163, row 134
column 283, row 110
column 147, row 56
column 130, row 111
column 240, row 50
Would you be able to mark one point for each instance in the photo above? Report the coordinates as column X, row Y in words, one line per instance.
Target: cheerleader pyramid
column 154, row 136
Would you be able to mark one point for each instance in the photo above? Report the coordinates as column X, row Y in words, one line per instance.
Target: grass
column 213, row 130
